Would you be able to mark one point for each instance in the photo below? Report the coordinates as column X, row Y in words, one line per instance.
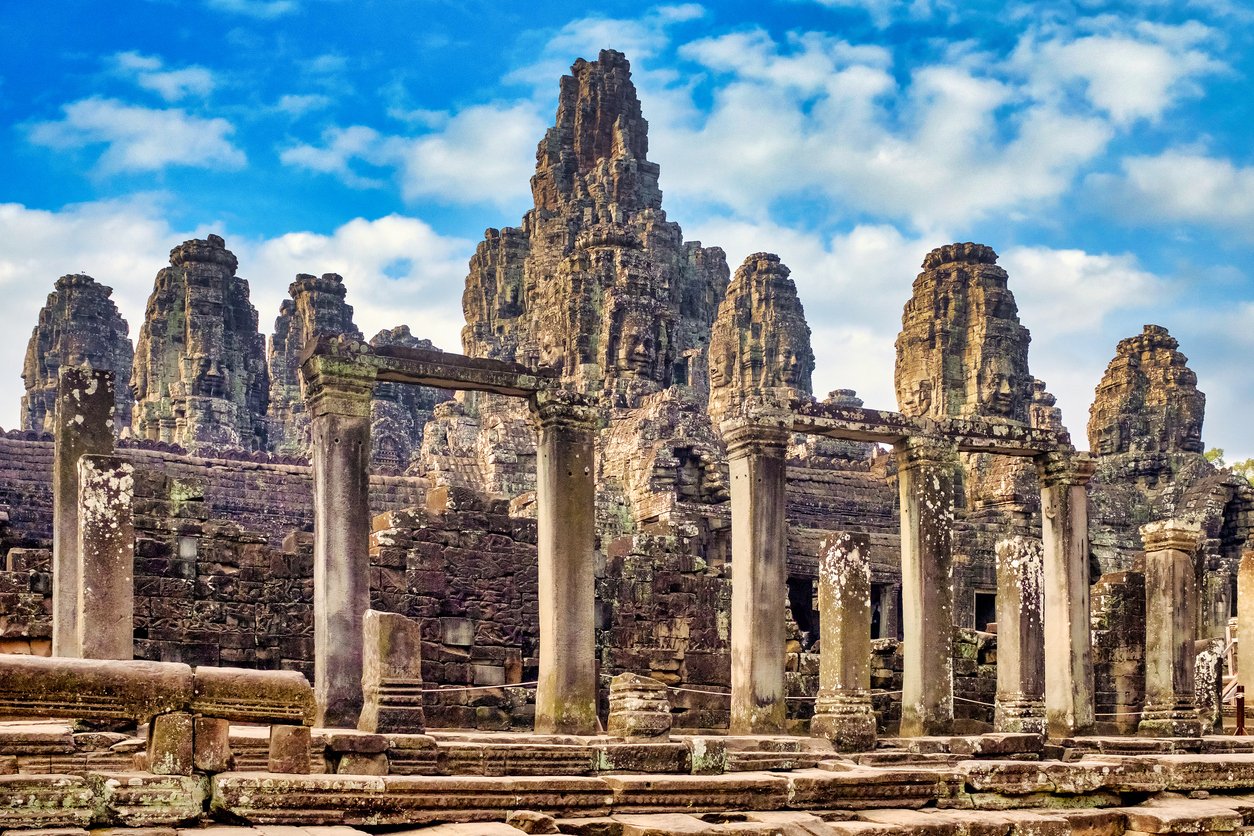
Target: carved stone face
column 996, row 386
column 789, row 367
column 918, row 400
column 637, row 347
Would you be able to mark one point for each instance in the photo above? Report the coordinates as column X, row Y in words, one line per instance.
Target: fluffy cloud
column 261, row 9
column 1180, row 186
column 149, row 72
column 482, row 154
column 140, row 138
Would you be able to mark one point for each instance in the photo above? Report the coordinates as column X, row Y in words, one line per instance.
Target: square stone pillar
column 1020, row 636
column 759, row 547
column 337, row 394
column 392, row 674
column 566, row 694
column 84, row 425
column 1245, row 622
column 106, row 558
column 925, row 477
column 842, row 710
column 1065, row 537
column 1170, row 627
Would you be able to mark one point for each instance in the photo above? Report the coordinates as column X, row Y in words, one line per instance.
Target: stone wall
column 1118, row 616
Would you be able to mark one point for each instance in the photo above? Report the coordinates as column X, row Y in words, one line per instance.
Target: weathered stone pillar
column 566, row 539
column 106, row 558
column 392, row 678
column 337, row 395
column 1020, row 636
column 1065, row 536
column 925, row 476
column 755, row 457
column 84, row 424
column 1170, row 626
column 1245, row 622
column 842, row 710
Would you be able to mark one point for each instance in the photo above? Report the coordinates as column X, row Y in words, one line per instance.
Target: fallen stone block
column 1185, row 773
column 40, row 801
column 740, row 791
column 93, row 689
column 212, row 745
column 138, row 799
column 412, row 754
column 170, row 744
column 251, row 696
column 861, row 788
column 644, row 757
column 289, row 749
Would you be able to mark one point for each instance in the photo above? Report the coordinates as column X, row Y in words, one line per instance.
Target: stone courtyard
column 614, row 569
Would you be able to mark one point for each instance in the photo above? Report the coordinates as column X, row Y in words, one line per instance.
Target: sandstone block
column 170, row 744
column 253, row 696
column 212, row 745
column 289, row 749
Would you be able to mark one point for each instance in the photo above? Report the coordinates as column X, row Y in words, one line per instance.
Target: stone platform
column 63, row 784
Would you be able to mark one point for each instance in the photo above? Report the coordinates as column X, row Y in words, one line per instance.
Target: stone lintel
column 1178, row 534
column 968, row 435
column 252, row 696
column 431, row 367
column 919, row 451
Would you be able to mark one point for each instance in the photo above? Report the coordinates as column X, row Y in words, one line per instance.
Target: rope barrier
column 449, row 688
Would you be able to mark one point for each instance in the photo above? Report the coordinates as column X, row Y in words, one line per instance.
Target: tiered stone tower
column 398, row 413
column 316, row 307
column 78, row 325
column 597, row 282
column 200, row 377
column 760, row 342
column 1148, row 401
column 962, row 351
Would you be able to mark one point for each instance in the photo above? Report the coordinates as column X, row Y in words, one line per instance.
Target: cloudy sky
column 1103, row 149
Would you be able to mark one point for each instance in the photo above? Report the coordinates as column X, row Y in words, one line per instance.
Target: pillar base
column 1020, row 714
column 1178, row 720
column 846, row 719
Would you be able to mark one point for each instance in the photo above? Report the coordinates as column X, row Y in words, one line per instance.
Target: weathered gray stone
column 1020, row 636
column 243, row 695
column 289, row 749
column 85, row 424
column 106, row 555
column 1170, row 607
column 170, row 744
column 639, row 707
column 392, row 674
column 842, row 709
column 212, row 745
column 92, row 689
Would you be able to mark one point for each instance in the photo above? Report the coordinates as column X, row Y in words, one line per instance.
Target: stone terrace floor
column 62, row 784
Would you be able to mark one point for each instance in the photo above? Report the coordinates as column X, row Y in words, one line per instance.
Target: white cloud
column 1180, row 186
column 261, row 9
column 398, row 270
column 885, row 12
column 298, row 104
column 342, row 145
column 1129, row 73
column 149, row 73
column 140, row 138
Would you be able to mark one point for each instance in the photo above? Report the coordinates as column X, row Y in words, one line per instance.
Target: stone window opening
column 985, row 609
column 801, row 592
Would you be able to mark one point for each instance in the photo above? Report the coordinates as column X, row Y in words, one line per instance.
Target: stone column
column 759, row 546
column 106, row 558
column 566, row 541
column 84, row 424
column 1245, row 622
column 1020, row 636
column 337, row 395
column 1065, row 536
column 925, row 477
column 1170, row 626
column 842, row 710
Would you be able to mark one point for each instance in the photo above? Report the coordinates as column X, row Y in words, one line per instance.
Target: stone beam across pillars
column 337, row 393
column 925, row 476
column 1020, row 637
column 756, row 458
column 106, row 558
column 842, row 710
column 1170, row 627
column 84, row 425
column 566, row 533
column 1065, row 536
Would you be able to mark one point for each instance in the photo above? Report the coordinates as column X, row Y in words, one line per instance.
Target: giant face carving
column 996, row 385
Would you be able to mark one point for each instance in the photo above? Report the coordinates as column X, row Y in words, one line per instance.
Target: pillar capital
column 762, row 433
column 1064, row 468
column 337, row 385
column 1178, row 534
column 924, row 450
column 563, row 408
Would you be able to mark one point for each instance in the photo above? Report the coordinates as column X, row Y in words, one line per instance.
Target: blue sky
column 1103, row 149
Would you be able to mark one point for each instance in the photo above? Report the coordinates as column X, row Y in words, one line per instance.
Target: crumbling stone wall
column 1118, row 617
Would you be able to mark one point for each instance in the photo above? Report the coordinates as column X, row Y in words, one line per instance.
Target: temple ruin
column 614, row 568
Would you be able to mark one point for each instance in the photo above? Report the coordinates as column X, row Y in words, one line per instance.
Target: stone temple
column 615, row 568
